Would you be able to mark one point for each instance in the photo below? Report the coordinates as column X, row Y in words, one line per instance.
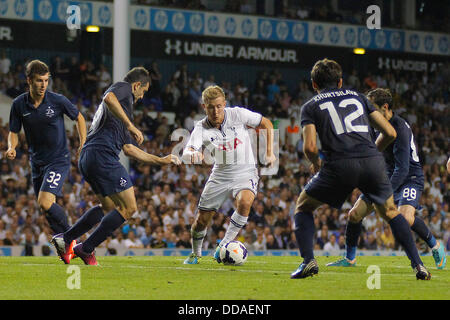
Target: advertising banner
column 233, row 26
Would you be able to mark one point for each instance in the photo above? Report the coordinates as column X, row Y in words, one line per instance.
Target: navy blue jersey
column 44, row 126
column 401, row 156
column 107, row 131
column 341, row 118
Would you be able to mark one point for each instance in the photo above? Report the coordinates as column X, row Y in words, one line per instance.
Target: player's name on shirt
column 334, row 94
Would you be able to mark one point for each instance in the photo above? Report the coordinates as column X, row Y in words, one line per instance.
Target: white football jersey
column 232, row 148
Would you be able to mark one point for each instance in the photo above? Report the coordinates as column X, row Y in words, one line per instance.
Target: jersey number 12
column 348, row 120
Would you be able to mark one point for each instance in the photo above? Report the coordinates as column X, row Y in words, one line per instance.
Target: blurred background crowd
column 167, row 196
column 431, row 14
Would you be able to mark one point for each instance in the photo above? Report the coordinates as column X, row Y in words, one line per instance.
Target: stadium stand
column 167, row 196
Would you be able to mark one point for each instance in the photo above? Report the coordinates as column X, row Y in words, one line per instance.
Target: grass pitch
column 261, row 278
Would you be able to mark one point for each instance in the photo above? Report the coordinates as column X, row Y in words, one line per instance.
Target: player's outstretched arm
column 191, row 156
column 142, row 156
column 310, row 146
column 81, row 128
column 116, row 109
column 388, row 133
column 13, row 141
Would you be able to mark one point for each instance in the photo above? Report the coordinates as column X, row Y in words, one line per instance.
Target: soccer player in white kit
column 224, row 132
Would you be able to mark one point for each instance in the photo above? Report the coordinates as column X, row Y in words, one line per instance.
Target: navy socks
column 57, row 218
column 304, row 233
column 89, row 219
column 109, row 223
column 352, row 233
column 402, row 233
column 423, row 232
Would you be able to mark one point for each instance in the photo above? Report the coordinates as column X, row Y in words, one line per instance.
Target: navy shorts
column 102, row 170
column 408, row 193
column 337, row 179
column 50, row 177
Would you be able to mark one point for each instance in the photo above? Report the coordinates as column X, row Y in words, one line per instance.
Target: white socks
column 197, row 241
column 237, row 222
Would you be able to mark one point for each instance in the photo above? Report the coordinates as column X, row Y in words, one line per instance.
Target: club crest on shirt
column 123, row 182
column 50, row 112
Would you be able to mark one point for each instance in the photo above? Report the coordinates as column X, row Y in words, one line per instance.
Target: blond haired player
column 225, row 133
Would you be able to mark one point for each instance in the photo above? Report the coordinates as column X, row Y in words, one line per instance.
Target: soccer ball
column 233, row 253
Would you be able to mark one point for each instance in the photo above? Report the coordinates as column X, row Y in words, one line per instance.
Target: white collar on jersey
column 223, row 123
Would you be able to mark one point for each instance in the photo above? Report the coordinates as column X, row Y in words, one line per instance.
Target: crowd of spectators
column 167, row 196
column 428, row 15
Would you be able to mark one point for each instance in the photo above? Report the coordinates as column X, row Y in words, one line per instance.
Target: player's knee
column 409, row 216
column 44, row 203
column 388, row 213
column 244, row 207
column 198, row 226
column 202, row 220
column 127, row 211
column 305, row 203
column 107, row 207
column 304, row 206
column 353, row 216
column 131, row 209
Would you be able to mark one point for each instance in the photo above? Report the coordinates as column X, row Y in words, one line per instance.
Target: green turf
column 166, row 278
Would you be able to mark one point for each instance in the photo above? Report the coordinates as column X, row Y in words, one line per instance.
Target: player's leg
column 408, row 200
column 402, row 233
column 362, row 208
column 304, row 224
column 198, row 234
column 65, row 242
column 375, row 185
column 54, row 213
column 332, row 185
column 48, row 182
column 215, row 192
column 125, row 207
column 244, row 201
column 422, row 230
column 417, row 224
column 89, row 219
column 304, row 234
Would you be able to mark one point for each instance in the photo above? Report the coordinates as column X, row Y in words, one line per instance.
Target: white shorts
column 217, row 190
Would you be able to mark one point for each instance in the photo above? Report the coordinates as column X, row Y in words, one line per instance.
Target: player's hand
column 10, row 154
column 197, row 158
column 270, row 160
column 136, row 134
column 172, row 159
column 315, row 167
